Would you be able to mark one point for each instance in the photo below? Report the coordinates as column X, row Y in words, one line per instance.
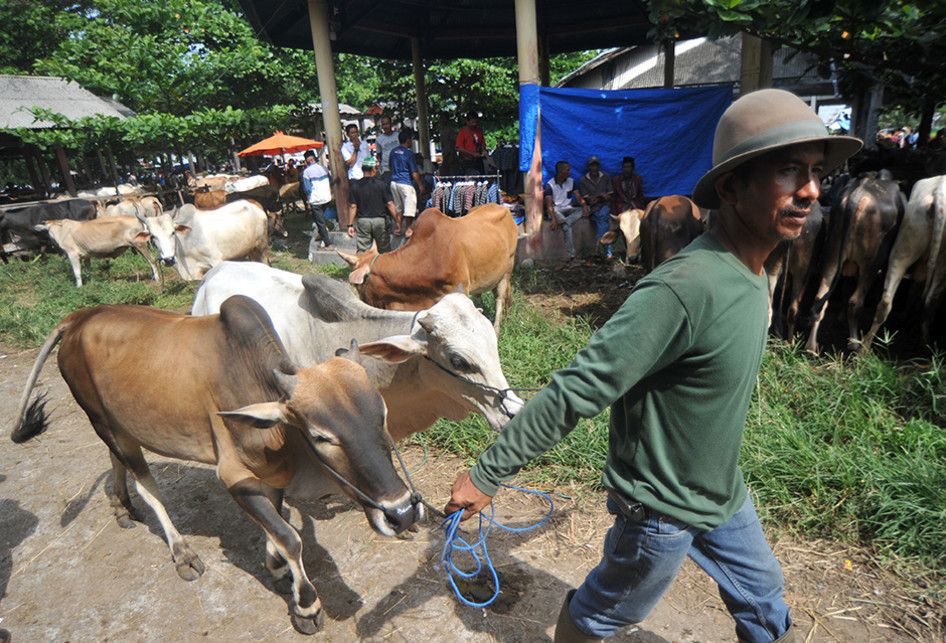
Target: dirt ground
column 68, row 572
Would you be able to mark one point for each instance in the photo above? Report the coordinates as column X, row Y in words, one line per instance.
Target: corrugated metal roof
column 18, row 94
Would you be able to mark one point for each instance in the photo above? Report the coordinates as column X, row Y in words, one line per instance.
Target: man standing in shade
column 471, row 146
column 371, row 205
column 387, row 141
column 317, row 191
column 678, row 363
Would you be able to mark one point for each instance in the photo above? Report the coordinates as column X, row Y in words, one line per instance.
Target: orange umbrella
column 280, row 143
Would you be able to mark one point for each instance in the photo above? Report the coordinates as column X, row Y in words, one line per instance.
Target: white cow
column 919, row 245
column 103, row 238
column 194, row 241
column 243, row 185
column 446, row 361
column 123, row 189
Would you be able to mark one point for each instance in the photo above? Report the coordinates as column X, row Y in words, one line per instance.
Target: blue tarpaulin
column 669, row 132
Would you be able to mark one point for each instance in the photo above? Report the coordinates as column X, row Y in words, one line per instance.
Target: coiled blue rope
column 477, row 549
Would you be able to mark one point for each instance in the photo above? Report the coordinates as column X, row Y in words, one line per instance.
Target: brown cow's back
column 668, row 225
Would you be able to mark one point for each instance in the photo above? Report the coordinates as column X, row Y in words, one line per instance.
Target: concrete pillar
column 64, row 168
column 420, row 88
column 756, row 70
column 669, row 62
column 527, row 50
column 325, row 69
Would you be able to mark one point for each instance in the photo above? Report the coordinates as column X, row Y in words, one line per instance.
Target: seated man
column 595, row 188
column 371, row 204
column 628, row 188
column 559, row 192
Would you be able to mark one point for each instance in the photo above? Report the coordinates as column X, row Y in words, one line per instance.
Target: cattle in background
column 101, row 238
column 110, row 191
column 444, row 360
column 860, row 233
column 194, row 241
column 918, row 248
column 475, row 252
column 212, row 181
column 666, row 227
column 209, row 200
column 226, row 395
column 793, row 265
column 21, row 222
column 267, row 197
column 246, row 184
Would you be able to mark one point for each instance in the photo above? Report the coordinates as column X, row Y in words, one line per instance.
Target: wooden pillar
column 29, row 155
column 420, row 87
column 113, row 168
column 756, row 70
column 64, row 168
column 669, row 48
column 527, row 51
column 328, row 92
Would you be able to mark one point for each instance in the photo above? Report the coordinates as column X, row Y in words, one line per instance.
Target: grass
column 849, row 449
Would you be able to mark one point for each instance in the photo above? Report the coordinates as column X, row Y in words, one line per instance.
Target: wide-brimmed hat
column 763, row 121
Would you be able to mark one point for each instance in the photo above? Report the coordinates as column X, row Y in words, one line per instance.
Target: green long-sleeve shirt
column 678, row 363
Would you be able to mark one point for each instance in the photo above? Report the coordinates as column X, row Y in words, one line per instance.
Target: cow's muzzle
column 168, row 261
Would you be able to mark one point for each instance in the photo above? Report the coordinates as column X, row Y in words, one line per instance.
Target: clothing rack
column 457, row 194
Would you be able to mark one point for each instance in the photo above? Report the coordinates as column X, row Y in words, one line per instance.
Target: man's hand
column 553, row 222
column 465, row 495
column 585, row 210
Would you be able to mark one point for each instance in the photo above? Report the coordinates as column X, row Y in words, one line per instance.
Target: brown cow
column 475, row 252
column 860, row 234
column 665, row 228
column 220, row 390
column 209, row 200
column 793, row 263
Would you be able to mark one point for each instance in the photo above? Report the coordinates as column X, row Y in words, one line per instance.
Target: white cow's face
column 163, row 231
column 460, row 358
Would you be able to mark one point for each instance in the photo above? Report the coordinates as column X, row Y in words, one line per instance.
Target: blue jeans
column 642, row 558
column 601, row 220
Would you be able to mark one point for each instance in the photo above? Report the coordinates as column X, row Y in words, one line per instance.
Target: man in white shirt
column 559, row 192
column 387, row 141
column 316, row 186
column 354, row 152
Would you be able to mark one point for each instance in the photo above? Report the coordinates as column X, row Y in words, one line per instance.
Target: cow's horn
column 351, row 260
column 286, row 383
column 426, row 321
column 353, row 354
column 615, row 217
column 460, row 289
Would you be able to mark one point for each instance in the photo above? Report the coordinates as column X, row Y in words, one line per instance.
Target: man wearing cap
column 317, row 191
column 595, row 189
column 678, row 363
column 371, row 205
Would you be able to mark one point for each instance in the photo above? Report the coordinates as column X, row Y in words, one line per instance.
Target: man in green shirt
column 678, row 363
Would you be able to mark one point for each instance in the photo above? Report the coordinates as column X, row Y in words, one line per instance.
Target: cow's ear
column 357, row 277
column 394, row 349
column 608, row 237
column 182, row 229
column 142, row 236
column 262, row 416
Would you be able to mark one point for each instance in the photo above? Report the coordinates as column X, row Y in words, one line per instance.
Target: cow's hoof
column 190, row 567
column 307, row 625
column 125, row 521
column 283, row 585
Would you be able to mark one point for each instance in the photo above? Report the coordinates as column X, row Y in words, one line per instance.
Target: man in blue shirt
column 317, row 191
column 404, row 176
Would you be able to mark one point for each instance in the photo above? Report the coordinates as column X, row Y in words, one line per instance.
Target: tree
column 900, row 44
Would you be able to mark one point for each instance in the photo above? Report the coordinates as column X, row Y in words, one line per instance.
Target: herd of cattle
column 298, row 385
column 864, row 228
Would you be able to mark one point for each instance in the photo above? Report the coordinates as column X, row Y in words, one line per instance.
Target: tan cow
column 220, row 390
column 210, row 200
column 102, row 238
column 475, row 252
column 919, row 245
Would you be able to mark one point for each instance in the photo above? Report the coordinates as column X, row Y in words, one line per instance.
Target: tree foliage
column 902, row 44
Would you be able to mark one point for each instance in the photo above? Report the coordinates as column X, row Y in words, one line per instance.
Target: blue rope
column 477, row 549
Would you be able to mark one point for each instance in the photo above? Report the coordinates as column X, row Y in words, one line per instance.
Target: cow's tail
column 938, row 210
column 32, row 419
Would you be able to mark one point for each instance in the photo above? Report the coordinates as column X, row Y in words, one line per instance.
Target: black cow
column 22, row 221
